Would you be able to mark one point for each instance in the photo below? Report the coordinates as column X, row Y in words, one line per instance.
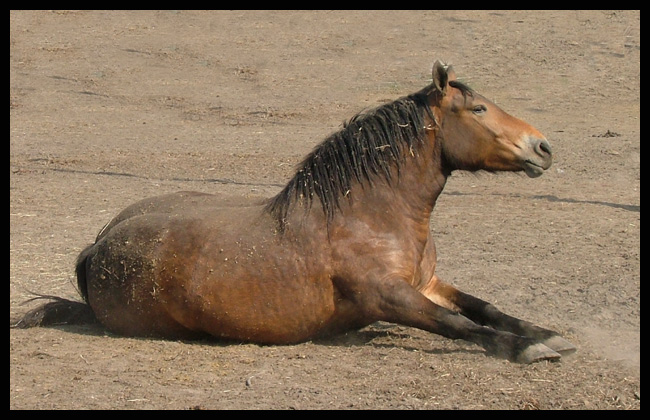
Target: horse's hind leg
column 485, row 313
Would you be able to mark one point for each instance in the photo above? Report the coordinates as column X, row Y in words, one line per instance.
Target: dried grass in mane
column 365, row 148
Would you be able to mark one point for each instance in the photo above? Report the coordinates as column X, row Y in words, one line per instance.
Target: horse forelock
column 365, row 148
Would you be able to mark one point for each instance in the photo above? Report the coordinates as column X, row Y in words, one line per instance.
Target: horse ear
column 440, row 77
column 451, row 74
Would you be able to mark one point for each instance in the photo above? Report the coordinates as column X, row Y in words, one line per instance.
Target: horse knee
column 441, row 294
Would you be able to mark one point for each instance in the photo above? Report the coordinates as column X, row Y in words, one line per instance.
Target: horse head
column 476, row 134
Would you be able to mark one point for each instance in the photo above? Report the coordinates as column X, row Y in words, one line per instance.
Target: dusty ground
column 107, row 108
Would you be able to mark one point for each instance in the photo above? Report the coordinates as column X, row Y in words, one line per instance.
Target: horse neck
column 408, row 199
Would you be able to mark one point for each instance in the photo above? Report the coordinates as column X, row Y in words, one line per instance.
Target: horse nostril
column 544, row 147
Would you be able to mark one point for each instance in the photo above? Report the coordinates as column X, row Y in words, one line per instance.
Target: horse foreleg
column 396, row 301
column 484, row 313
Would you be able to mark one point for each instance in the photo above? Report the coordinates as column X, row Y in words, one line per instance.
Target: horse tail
column 60, row 311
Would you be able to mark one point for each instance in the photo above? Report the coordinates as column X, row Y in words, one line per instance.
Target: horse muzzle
column 539, row 157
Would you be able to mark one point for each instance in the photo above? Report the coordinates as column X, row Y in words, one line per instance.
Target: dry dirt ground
column 107, row 108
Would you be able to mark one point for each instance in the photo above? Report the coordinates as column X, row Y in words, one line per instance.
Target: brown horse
column 344, row 244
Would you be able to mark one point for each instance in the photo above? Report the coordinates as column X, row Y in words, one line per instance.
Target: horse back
column 179, row 203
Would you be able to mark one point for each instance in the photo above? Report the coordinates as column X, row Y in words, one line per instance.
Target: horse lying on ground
column 344, row 244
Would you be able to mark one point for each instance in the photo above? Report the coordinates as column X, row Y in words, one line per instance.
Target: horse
column 344, row 244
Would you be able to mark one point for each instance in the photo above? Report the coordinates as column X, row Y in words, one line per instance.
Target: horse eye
column 479, row 109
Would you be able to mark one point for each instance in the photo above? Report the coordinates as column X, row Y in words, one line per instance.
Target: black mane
column 365, row 148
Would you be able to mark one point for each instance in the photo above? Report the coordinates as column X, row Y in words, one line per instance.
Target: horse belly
column 269, row 310
column 256, row 290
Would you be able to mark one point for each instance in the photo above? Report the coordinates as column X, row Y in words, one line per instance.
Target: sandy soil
column 107, row 108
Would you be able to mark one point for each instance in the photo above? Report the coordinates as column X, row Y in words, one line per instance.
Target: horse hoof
column 537, row 352
column 559, row 345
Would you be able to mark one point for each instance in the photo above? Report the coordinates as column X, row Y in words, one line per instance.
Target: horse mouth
column 532, row 169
